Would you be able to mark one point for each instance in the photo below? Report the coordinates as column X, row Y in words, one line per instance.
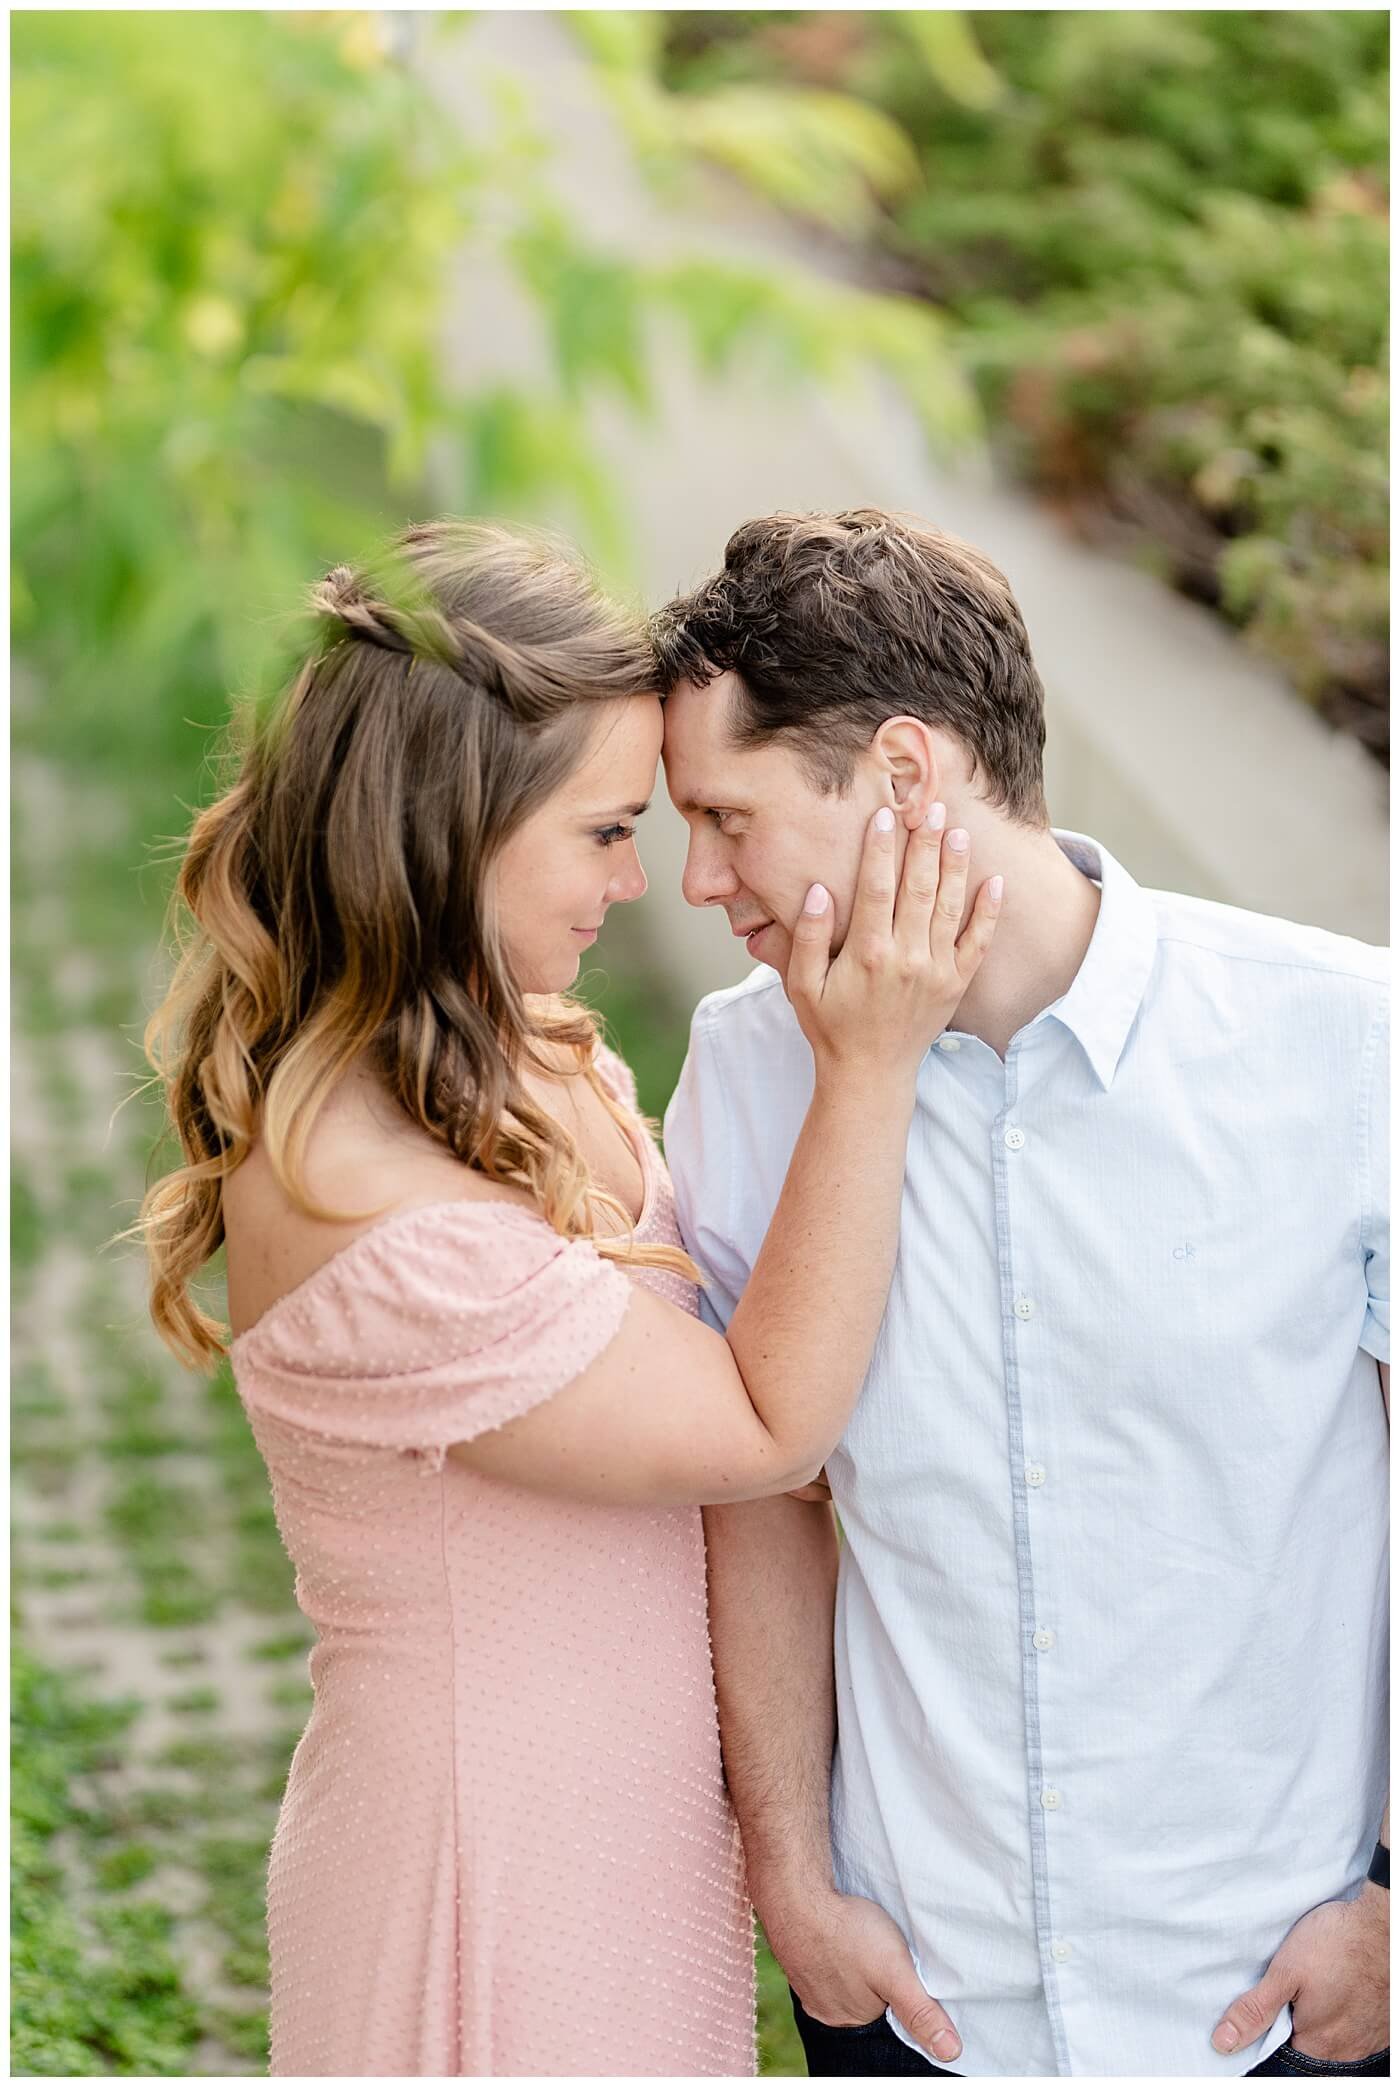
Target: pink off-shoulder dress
column 505, row 1845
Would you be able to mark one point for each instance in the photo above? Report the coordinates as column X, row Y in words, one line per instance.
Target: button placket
column 1025, row 1361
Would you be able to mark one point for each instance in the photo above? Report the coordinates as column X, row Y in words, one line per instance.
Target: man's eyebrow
column 707, row 804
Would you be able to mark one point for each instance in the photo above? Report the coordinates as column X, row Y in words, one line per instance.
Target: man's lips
column 744, row 933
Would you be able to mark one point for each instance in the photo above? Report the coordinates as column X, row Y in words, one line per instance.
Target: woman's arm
column 670, row 1413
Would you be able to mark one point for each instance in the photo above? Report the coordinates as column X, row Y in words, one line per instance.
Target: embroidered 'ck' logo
column 1184, row 1252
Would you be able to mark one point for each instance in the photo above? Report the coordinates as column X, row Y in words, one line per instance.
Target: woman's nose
column 631, row 880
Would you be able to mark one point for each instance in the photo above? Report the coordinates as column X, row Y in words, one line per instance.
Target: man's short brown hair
column 835, row 622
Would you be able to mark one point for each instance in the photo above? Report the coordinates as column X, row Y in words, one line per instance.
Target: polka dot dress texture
column 505, row 1847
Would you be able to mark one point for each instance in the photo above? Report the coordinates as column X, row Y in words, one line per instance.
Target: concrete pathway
column 146, row 1566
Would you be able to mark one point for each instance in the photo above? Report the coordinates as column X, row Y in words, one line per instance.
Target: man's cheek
column 840, row 929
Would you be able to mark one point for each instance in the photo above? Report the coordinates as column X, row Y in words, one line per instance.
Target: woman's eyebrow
column 621, row 811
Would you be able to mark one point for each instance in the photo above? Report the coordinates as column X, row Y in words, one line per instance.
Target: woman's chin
column 558, row 977
column 556, row 970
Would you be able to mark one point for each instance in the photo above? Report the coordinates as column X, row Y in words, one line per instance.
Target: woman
column 466, row 1333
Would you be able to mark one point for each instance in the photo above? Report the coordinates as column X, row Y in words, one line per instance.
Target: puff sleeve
column 433, row 1327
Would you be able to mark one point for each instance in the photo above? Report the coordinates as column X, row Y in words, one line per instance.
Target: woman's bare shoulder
column 356, row 1175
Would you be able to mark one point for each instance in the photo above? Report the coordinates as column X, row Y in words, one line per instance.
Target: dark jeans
column 873, row 2048
column 1287, row 2064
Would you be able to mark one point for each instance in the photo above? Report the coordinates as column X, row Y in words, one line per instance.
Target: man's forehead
column 695, row 724
column 701, row 707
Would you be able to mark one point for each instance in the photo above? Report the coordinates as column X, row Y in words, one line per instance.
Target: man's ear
column 905, row 752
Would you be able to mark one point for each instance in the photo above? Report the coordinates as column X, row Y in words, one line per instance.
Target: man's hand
column 847, row 1962
column 1333, row 1969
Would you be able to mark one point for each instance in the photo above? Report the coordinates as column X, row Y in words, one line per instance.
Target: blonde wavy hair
column 332, row 905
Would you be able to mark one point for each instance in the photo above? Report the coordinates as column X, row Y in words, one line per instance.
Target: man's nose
column 706, row 877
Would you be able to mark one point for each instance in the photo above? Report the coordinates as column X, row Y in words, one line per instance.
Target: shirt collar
column 1103, row 1001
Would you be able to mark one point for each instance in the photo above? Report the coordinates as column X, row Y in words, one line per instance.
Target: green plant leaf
column 951, row 56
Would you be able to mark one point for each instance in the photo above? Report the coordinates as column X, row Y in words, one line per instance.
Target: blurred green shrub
column 224, row 275
column 231, row 235
column 231, row 239
column 1163, row 240
column 76, row 2012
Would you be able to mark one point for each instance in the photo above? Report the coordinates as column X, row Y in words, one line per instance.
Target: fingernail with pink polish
column 957, row 841
column 995, row 889
column 884, row 820
column 816, row 899
column 937, row 817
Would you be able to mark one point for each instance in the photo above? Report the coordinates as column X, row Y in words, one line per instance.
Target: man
column 1108, row 1700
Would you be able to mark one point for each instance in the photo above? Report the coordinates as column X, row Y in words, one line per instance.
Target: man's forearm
column 772, row 1567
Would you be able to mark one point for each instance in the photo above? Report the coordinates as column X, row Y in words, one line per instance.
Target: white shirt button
column 1035, row 1474
column 1024, row 1308
column 1015, row 1139
column 1061, row 1952
column 1050, row 1800
column 1043, row 1640
column 949, row 1043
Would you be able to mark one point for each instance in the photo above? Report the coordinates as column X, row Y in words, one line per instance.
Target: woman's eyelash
column 607, row 836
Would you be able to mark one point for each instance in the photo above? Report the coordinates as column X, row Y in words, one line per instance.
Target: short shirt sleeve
column 701, row 1166
column 1375, row 1234
column 433, row 1327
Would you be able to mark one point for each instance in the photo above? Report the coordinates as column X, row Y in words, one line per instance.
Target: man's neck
column 1046, row 925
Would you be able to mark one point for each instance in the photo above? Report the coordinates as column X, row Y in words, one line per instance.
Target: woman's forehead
column 622, row 755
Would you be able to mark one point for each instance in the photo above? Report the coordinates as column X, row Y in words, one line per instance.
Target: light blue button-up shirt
column 1111, row 1621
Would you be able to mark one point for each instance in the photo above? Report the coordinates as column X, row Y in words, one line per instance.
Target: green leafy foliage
column 225, row 275
column 790, row 327
column 232, row 234
column 1160, row 241
column 231, row 238
column 780, row 2053
column 94, row 1998
column 826, row 153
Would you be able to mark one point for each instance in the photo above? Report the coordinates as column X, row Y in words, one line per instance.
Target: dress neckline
column 646, row 1158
